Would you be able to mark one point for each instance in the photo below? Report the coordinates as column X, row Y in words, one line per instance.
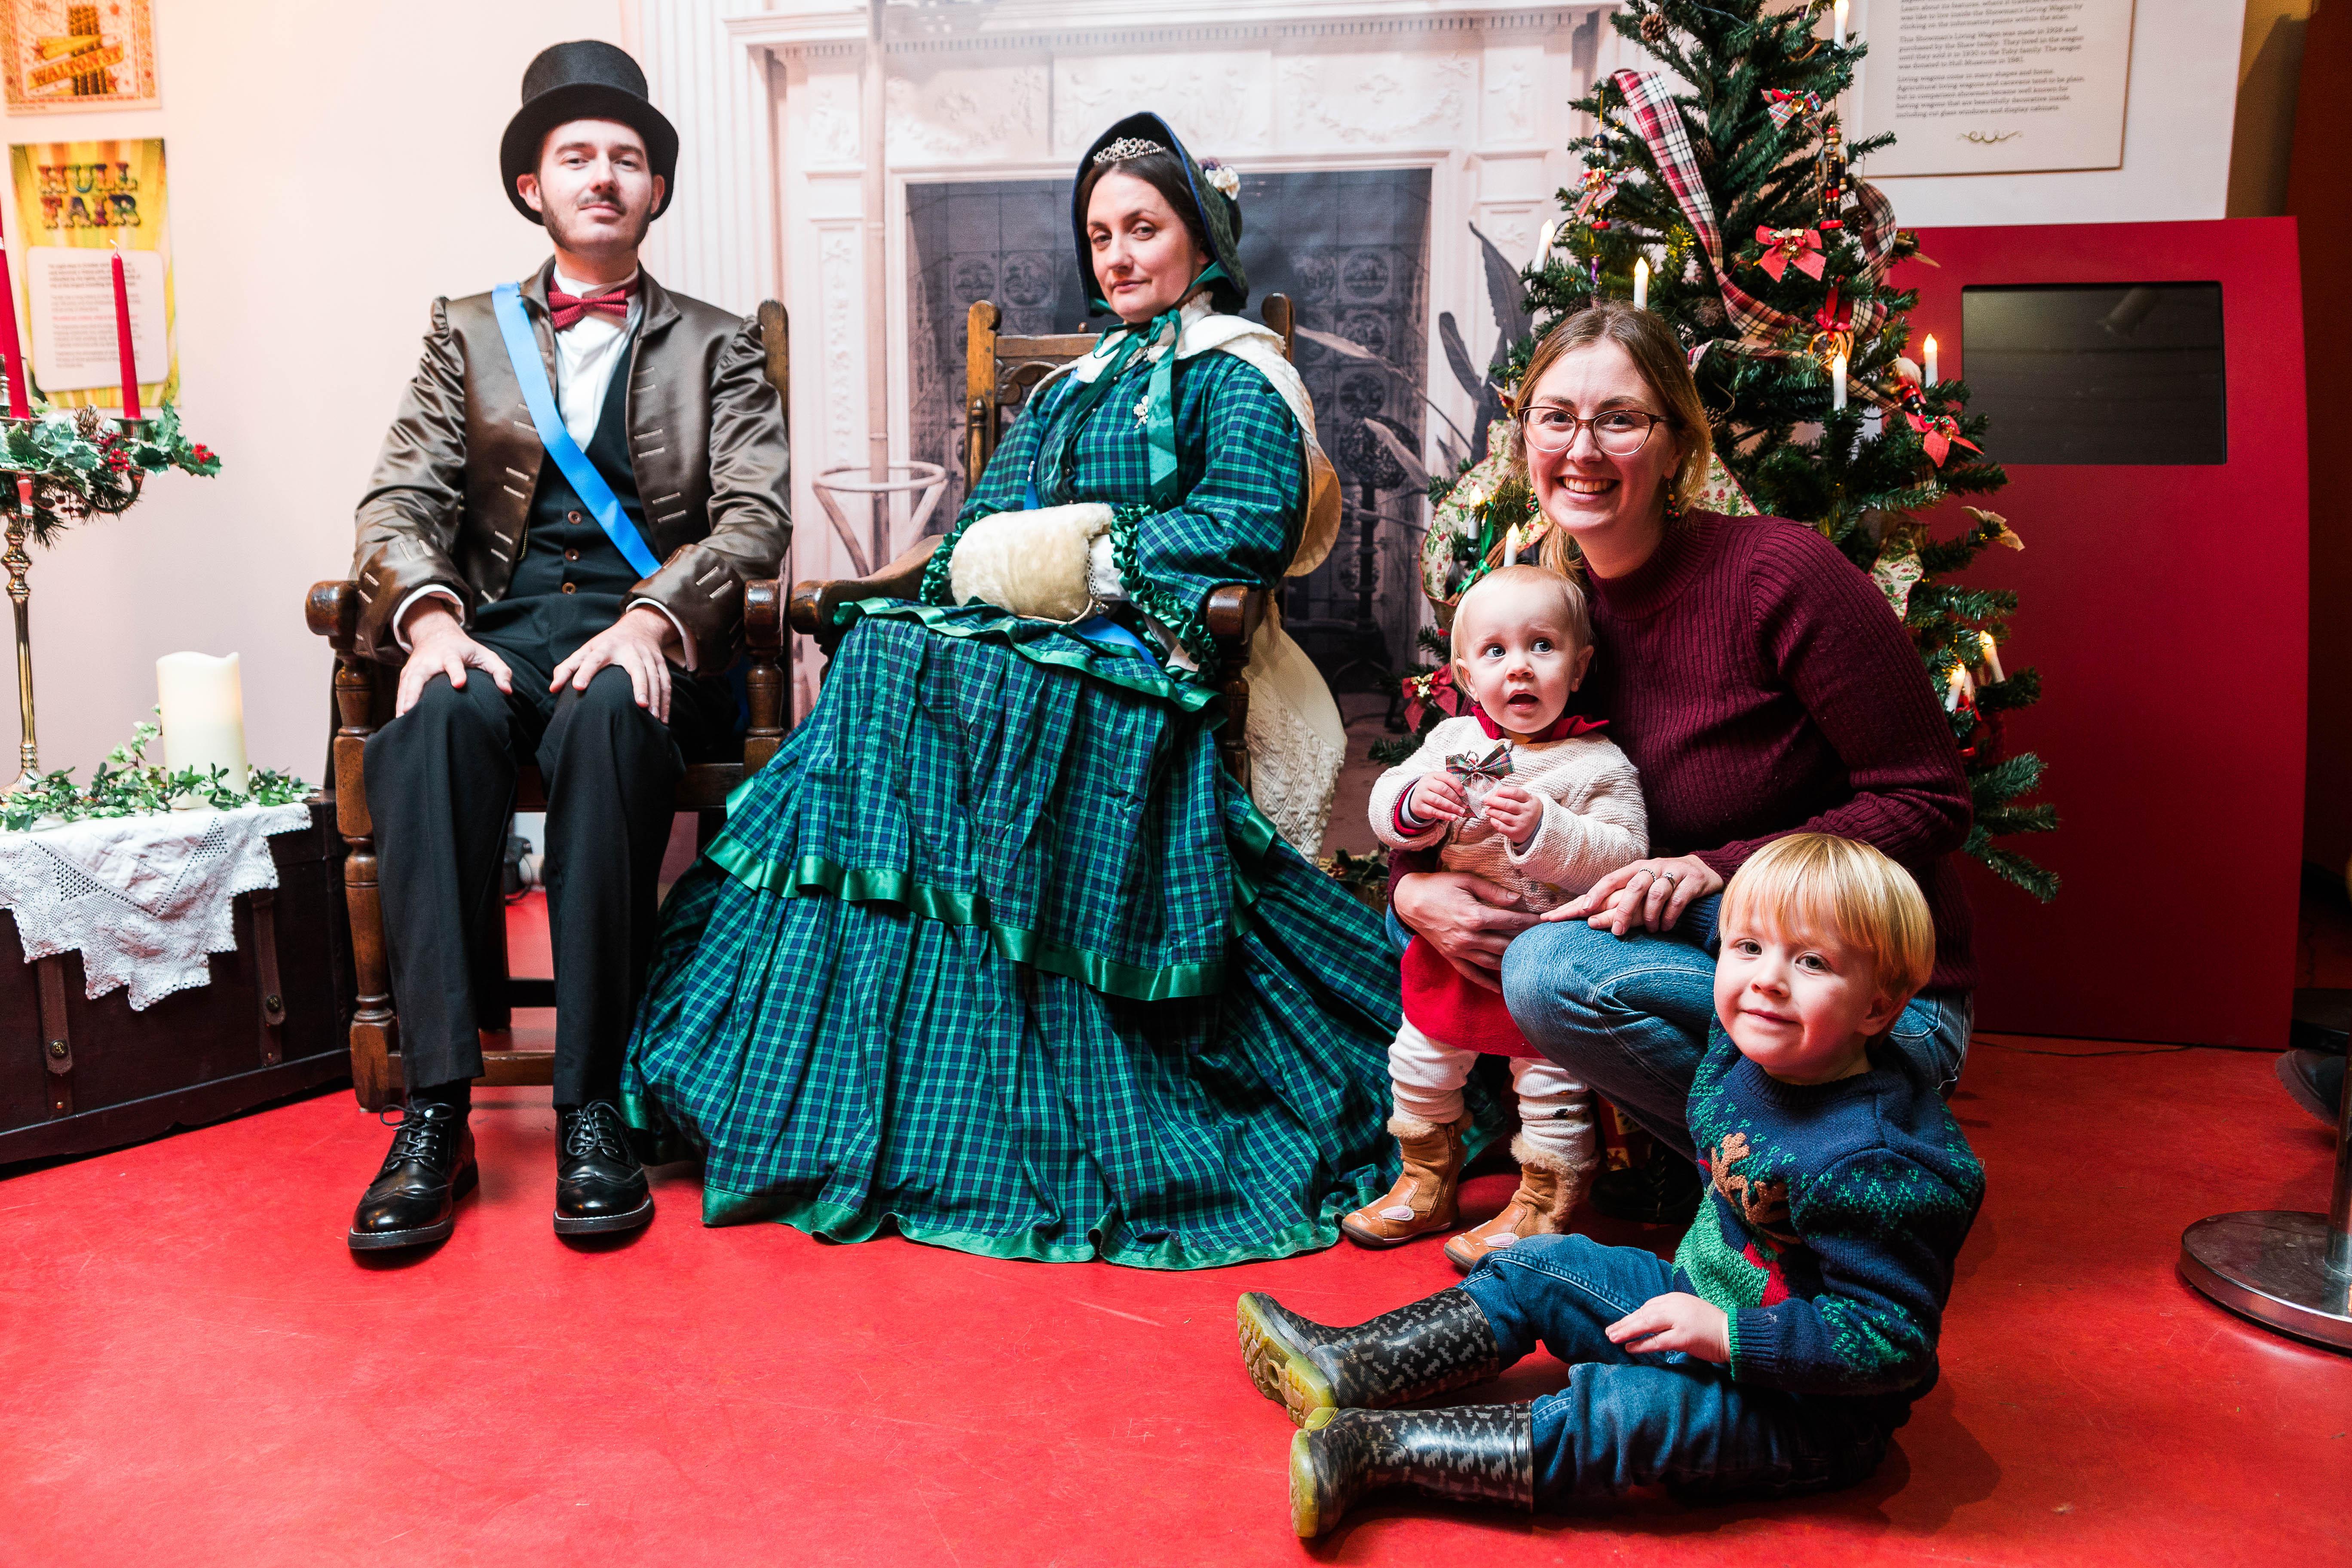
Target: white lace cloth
column 142, row 899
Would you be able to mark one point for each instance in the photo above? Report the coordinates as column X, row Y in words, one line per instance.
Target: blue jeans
column 1630, row 1014
column 1670, row 1419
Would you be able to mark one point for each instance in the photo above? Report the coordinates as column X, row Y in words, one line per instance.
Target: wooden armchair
column 364, row 692
column 1000, row 370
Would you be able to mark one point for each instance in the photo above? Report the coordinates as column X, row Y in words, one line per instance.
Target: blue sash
column 522, row 353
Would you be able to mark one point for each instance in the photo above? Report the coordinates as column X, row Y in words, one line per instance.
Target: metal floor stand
column 2284, row 1269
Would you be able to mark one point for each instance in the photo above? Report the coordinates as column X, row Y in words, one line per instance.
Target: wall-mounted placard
column 1995, row 87
column 71, row 54
column 75, row 200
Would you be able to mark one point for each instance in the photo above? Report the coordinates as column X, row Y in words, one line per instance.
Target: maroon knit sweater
column 1763, row 686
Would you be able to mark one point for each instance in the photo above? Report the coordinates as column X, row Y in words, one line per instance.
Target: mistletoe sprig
column 85, row 464
column 128, row 785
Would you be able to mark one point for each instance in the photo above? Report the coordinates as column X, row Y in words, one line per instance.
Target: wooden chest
column 78, row 1075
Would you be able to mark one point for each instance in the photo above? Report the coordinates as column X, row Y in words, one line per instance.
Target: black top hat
column 1220, row 215
column 589, row 79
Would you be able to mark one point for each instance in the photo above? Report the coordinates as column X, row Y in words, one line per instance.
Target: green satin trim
column 813, row 874
column 1189, row 696
column 840, row 1223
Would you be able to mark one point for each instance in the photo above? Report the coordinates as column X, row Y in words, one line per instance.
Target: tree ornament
column 1653, row 30
column 1832, row 175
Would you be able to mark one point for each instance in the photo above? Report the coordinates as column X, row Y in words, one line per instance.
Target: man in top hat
column 581, row 476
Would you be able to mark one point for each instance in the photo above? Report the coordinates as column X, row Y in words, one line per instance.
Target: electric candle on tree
column 1932, row 377
column 1837, row 383
column 204, row 714
column 1641, row 283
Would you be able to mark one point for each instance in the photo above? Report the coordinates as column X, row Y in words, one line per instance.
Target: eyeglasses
column 1619, row 432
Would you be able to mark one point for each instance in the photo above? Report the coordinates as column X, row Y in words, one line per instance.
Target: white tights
column 1555, row 1109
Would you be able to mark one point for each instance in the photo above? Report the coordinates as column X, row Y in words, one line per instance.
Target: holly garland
column 1771, row 261
column 128, row 785
column 86, row 464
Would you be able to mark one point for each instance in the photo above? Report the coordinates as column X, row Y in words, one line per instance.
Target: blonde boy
column 1798, row 1322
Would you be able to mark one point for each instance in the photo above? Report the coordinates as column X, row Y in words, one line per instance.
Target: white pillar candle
column 204, row 714
column 1932, row 376
column 1837, row 383
column 1641, row 283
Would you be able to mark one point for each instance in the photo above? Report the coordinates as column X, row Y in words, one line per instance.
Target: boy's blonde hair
column 1570, row 594
column 1819, row 882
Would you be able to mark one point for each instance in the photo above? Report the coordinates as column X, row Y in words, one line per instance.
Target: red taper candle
column 122, row 340
column 19, row 408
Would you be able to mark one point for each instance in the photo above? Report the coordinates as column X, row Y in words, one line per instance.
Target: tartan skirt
column 994, row 954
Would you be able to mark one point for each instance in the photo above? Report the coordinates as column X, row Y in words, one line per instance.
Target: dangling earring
column 1674, row 505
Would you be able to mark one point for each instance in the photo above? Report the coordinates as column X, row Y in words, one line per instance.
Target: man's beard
column 560, row 228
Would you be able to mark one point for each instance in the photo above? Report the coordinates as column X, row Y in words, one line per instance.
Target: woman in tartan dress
column 994, row 952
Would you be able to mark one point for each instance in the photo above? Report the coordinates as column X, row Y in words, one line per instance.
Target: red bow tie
column 565, row 309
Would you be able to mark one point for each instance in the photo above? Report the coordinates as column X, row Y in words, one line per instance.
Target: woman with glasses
column 1762, row 685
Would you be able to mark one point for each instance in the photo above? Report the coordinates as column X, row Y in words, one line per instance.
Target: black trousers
column 440, row 787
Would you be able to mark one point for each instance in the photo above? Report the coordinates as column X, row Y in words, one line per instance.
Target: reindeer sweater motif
column 1834, row 1214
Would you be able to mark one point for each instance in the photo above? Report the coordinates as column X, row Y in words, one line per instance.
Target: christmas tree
column 1729, row 189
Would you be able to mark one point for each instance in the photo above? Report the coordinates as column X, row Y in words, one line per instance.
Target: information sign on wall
column 1995, row 87
column 74, row 201
column 76, row 54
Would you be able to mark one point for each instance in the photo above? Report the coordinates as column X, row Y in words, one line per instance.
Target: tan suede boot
column 1550, row 1189
column 1426, row 1192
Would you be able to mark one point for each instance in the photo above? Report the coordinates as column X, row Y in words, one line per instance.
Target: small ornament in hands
column 1478, row 775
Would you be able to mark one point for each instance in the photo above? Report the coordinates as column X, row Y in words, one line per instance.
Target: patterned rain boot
column 1426, row 1192
column 1550, row 1189
column 1426, row 1347
column 1473, row 1453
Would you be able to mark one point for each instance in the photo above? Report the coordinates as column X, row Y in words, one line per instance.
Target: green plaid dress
column 995, row 954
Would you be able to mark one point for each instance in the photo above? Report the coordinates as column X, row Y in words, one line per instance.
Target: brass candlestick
column 20, row 594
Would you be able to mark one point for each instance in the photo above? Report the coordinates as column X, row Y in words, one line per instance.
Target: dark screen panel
column 2098, row 373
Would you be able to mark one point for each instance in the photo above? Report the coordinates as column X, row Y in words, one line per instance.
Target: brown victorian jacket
column 451, row 496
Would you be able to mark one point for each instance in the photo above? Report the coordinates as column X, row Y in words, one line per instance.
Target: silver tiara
column 1126, row 147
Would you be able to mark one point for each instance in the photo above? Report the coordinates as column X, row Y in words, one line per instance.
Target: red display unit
column 2164, row 604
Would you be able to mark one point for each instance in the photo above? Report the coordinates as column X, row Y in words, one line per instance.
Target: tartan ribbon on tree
column 1765, row 332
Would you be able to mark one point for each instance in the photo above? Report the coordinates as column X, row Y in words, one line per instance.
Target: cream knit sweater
column 1592, row 822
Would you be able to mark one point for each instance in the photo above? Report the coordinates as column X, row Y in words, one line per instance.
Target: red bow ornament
column 1783, row 107
column 1436, row 690
column 1784, row 247
column 1938, row 433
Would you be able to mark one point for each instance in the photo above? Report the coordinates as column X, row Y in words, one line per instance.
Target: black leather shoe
column 413, row 1199
column 1663, row 1190
column 599, row 1185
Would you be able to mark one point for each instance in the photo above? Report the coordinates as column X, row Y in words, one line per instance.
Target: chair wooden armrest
column 1233, row 614
column 814, row 600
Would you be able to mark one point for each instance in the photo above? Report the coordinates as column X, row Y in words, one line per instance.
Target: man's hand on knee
column 437, row 645
column 638, row 643
column 1468, row 920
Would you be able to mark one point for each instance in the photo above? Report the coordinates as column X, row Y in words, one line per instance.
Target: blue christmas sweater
column 1829, row 1228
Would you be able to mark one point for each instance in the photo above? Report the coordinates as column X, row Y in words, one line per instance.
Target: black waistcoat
column 572, row 579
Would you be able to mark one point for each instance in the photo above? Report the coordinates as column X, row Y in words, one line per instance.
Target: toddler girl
column 1528, row 797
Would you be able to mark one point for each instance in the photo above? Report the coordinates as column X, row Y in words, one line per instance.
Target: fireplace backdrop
column 1371, row 135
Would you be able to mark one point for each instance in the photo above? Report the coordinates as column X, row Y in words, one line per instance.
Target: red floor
column 198, row 1371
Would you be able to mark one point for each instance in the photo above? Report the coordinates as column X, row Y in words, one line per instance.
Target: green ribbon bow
column 1159, row 395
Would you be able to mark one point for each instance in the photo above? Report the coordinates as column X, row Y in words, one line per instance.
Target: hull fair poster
column 74, row 201
column 76, row 54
